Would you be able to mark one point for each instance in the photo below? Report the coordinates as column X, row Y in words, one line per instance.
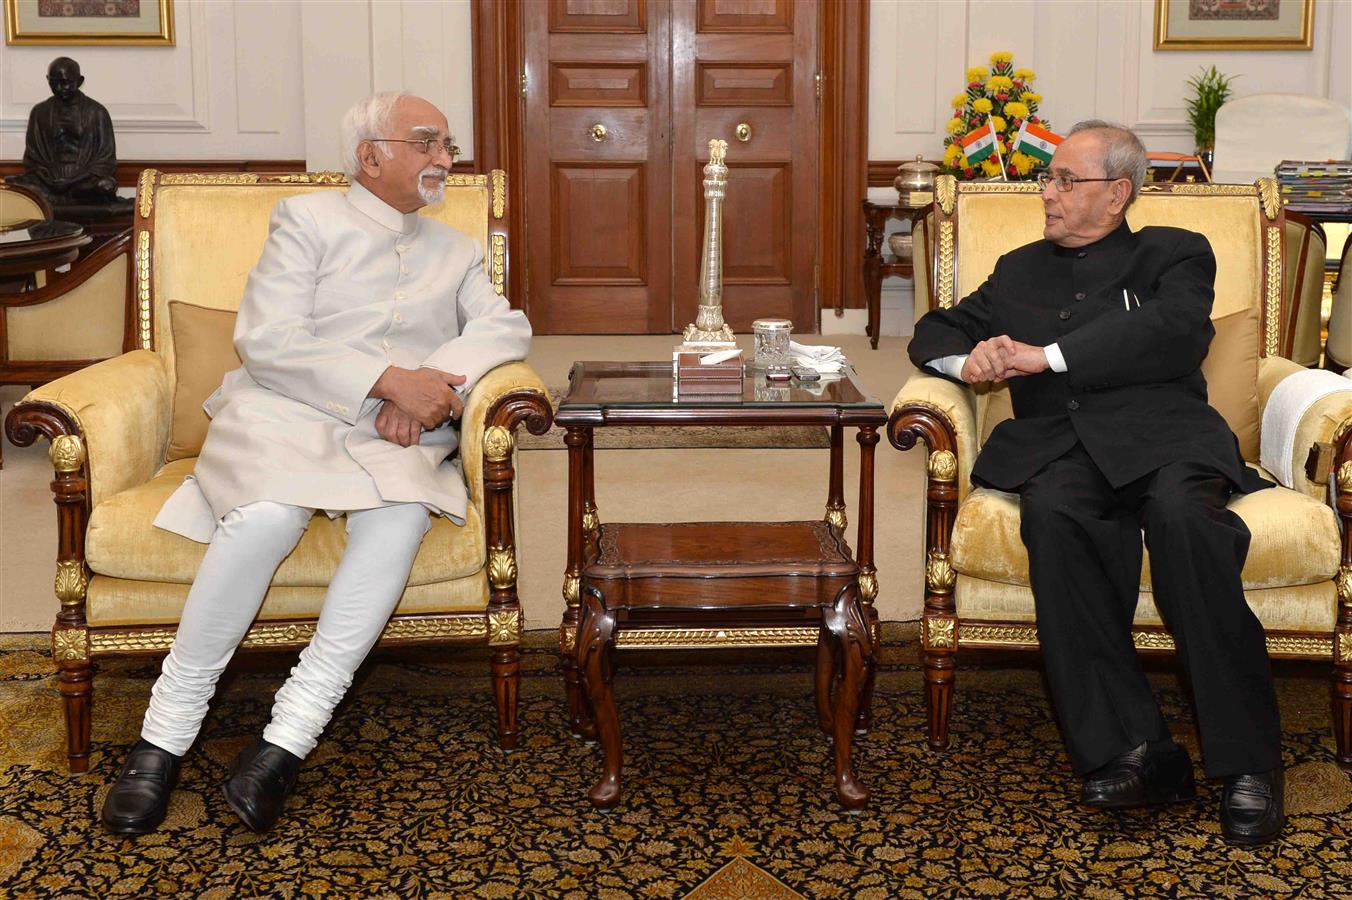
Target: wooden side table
column 875, row 221
column 706, row 585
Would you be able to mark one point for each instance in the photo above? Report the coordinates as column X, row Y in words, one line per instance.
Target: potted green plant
column 1210, row 90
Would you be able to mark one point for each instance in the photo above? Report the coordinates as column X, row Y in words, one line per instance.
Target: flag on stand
column 1036, row 141
column 979, row 143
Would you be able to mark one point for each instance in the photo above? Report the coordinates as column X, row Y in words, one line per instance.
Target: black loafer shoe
column 1153, row 773
column 140, row 796
column 1253, row 807
column 260, row 779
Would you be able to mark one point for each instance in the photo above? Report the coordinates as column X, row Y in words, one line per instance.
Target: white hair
column 1124, row 155
column 368, row 120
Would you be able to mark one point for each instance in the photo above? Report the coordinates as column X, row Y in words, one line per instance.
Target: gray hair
column 368, row 120
column 1123, row 153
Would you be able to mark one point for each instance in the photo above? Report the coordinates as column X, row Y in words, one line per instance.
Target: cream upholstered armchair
column 70, row 320
column 122, row 583
column 1298, row 577
column 1302, row 290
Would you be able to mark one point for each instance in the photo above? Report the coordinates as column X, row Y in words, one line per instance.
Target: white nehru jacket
column 346, row 286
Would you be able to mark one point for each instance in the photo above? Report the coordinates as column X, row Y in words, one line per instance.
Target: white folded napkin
column 1290, row 400
column 826, row 360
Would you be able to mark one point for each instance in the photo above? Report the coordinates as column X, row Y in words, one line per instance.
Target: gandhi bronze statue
column 69, row 153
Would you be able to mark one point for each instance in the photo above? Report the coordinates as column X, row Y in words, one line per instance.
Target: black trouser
column 1084, row 550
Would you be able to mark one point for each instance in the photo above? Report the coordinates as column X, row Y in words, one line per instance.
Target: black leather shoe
column 140, row 796
column 260, row 779
column 1253, row 807
column 1153, row 773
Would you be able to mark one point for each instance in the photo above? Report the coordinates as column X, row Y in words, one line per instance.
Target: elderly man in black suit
column 1100, row 332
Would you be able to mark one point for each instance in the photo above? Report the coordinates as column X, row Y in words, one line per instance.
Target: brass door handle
column 743, row 132
column 598, row 132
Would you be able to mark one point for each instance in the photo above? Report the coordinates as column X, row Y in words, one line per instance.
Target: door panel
column 598, row 166
column 623, row 97
column 748, row 62
column 598, row 210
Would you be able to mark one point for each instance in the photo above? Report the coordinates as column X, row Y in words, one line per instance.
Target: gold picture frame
column 153, row 27
column 1176, row 32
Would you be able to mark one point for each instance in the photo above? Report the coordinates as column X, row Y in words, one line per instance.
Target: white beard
column 434, row 195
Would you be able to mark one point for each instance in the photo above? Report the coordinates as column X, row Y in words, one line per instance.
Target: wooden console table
column 717, row 584
column 875, row 221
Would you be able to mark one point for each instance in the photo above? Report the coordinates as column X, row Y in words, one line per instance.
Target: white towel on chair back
column 1289, row 402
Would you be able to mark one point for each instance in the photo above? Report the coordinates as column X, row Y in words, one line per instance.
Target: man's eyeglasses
column 1064, row 183
column 428, row 146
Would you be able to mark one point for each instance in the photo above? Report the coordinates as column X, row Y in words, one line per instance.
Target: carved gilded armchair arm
column 1328, row 423
column 118, row 410
column 508, row 396
column 943, row 415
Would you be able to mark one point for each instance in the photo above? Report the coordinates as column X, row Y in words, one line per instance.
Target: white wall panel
column 229, row 88
column 1093, row 59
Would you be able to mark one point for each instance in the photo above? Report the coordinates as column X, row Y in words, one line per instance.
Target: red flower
column 974, row 84
column 1034, row 119
column 968, row 172
column 1002, row 97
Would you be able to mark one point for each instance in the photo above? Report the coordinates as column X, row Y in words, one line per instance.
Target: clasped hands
column 415, row 399
column 1001, row 358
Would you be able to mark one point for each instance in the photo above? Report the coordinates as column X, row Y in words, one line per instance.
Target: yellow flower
column 976, row 73
column 990, row 166
column 1016, row 110
column 1022, row 162
column 1030, row 98
column 1003, row 56
column 957, row 126
column 999, row 83
column 982, row 105
column 959, row 100
column 952, row 154
column 999, row 123
column 1025, row 75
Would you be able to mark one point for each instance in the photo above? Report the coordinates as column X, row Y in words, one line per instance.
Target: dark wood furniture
column 699, row 585
column 33, row 246
column 875, row 223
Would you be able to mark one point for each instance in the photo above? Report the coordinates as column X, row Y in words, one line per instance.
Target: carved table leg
column 76, row 681
column 579, row 719
column 595, row 642
column 849, row 630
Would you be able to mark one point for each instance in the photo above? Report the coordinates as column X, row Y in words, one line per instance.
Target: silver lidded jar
column 915, row 182
column 771, row 342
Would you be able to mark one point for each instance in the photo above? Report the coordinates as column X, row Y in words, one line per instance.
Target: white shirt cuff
column 1055, row 361
column 949, row 365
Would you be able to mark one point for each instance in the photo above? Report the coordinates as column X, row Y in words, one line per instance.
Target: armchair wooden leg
column 827, row 667
column 939, row 674
column 1342, row 715
column 76, row 680
column 506, row 665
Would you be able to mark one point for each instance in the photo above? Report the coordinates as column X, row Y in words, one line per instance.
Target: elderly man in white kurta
column 361, row 329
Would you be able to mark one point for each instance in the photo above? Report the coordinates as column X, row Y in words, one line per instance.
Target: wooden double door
column 621, row 100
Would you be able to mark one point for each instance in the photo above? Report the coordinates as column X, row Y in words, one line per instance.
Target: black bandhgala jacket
column 1133, row 393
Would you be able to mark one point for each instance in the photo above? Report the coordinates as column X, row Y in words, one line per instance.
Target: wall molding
column 129, row 170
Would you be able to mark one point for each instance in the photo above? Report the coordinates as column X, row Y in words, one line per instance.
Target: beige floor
column 633, row 485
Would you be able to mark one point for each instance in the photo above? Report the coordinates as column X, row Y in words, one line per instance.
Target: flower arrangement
column 1005, row 94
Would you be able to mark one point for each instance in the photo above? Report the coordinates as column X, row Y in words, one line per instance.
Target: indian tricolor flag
column 1036, row 141
column 979, row 143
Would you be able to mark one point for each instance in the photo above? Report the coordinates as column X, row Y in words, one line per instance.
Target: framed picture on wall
column 1234, row 24
column 96, row 22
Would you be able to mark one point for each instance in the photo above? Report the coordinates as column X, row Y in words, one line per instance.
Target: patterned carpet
column 727, row 793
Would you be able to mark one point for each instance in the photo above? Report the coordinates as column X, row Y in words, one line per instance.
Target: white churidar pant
column 243, row 555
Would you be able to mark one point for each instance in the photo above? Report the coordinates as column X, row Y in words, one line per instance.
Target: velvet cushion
column 123, row 542
column 1231, row 371
column 1295, row 539
column 205, row 336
